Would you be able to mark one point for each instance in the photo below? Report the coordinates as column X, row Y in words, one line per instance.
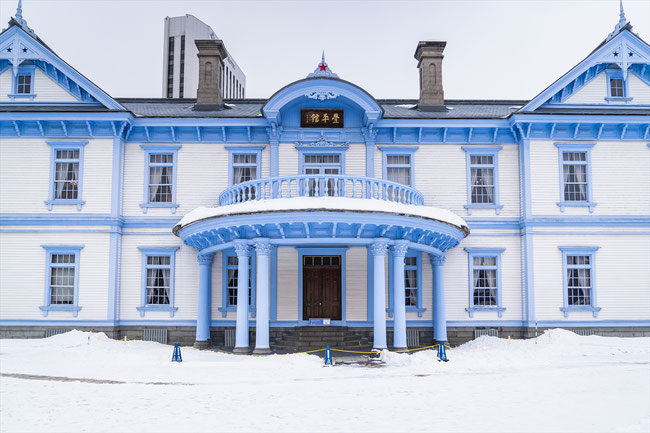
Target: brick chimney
column 209, row 95
column 429, row 57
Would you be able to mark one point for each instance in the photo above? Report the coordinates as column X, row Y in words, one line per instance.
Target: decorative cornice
column 322, row 142
column 322, row 95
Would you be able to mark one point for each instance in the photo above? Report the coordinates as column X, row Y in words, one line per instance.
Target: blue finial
column 322, row 70
column 323, row 58
column 19, row 11
column 622, row 22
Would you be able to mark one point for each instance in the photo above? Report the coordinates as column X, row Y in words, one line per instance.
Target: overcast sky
column 495, row 49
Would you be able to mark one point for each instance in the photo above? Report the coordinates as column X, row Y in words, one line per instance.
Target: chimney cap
column 214, row 47
column 430, row 48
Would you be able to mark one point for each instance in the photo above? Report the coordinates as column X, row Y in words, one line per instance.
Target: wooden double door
column 321, row 287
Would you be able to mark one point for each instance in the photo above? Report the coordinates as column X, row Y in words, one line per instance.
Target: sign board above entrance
column 311, row 118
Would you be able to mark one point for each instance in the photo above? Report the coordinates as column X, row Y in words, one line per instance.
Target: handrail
column 327, row 185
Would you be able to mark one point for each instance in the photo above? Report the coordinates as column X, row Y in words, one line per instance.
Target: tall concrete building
column 181, row 65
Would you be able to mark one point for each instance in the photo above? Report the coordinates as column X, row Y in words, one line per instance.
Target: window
column 244, row 163
column 319, row 165
column 66, row 173
column 616, row 86
column 62, row 279
column 482, row 178
column 231, row 280
column 575, row 176
column 484, row 280
column 160, row 177
column 181, row 87
column 23, row 83
column 412, row 283
column 398, row 164
column 579, row 285
column 170, row 67
column 158, row 280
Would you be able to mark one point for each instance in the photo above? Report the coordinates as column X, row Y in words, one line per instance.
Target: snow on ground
column 565, row 382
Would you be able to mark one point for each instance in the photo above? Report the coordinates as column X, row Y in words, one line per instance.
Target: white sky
column 495, row 49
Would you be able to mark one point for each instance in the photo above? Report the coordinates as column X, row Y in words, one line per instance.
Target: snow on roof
column 324, row 204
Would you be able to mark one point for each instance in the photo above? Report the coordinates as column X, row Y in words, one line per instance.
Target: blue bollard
column 328, row 357
column 176, row 357
column 442, row 352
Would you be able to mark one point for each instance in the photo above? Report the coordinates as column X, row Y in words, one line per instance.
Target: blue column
column 378, row 250
column 241, row 333
column 439, row 318
column 399, row 295
column 205, row 300
column 263, row 249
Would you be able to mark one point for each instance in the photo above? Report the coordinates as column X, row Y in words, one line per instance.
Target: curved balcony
column 328, row 185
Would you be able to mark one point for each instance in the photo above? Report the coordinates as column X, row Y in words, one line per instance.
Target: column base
column 380, row 348
column 262, row 351
column 242, row 350
column 400, row 348
column 202, row 344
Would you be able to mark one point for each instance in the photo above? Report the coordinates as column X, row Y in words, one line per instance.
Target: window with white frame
column 66, row 173
column 412, row 283
column 398, row 169
column 398, row 164
column 24, row 84
column 318, row 164
column 575, row 175
column 616, row 85
column 160, row 177
column 484, row 280
column 578, row 279
column 158, row 267
column 62, row 279
column 230, row 282
column 482, row 178
column 244, row 167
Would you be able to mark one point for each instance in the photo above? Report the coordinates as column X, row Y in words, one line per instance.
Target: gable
column 624, row 55
column 51, row 80
column 596, row 92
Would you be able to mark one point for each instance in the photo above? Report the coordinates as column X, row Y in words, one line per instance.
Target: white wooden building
column 377, row 223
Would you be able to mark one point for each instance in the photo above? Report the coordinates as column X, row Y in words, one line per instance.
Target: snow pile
column 325, row 204
column 564, row 382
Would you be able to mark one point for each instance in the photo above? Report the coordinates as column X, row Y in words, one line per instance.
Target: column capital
column 241, row 248
column 437, row 260
column 205, row 259
column 400, row 248
column 263, row 247
column 379, row 247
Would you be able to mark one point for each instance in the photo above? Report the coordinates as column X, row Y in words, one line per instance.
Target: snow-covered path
column 563, row 383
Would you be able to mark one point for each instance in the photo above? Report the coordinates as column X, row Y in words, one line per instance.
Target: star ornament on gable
column 322, row 70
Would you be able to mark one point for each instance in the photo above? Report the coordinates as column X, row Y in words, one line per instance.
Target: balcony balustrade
column 328, row 185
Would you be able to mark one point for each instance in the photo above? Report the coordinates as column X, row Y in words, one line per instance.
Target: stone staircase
column 305, row 338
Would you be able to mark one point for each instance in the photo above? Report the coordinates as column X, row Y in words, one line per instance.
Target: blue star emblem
column 615, row 53
column 9, row 49
column 24, row 50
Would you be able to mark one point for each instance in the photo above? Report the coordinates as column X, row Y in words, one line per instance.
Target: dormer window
column 24, row 84
column 616, row 86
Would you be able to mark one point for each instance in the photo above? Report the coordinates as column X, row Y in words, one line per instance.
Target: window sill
column 225, row 310
column 420, row 311
column 497, row 207
column 51, row 203
column 47, row 308
column 498, row 310
column 171, row 206
column 618, row 99
column 567, row 310
column 161, row 308
column 14, row 96
column 565, row 204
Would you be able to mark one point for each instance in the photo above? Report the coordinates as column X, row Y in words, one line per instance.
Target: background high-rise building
column 181, row 65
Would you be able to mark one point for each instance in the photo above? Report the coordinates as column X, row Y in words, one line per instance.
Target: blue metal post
column 439, row 318
column 328, row 356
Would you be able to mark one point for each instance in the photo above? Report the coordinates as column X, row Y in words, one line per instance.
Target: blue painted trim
column 484, row 252
column 114, row 240
column 321, row 151
column 483, row 151
column 398, row 151
column 225, row 307
column 154, row 149
column 322, row 251
column 65, row 145
column 582, row 251
column 575, row 147
column 61, row 249
column 158, row 251
column 244, row 150
column 391, row 295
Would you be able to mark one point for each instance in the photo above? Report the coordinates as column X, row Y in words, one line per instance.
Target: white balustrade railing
column 333, row 185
